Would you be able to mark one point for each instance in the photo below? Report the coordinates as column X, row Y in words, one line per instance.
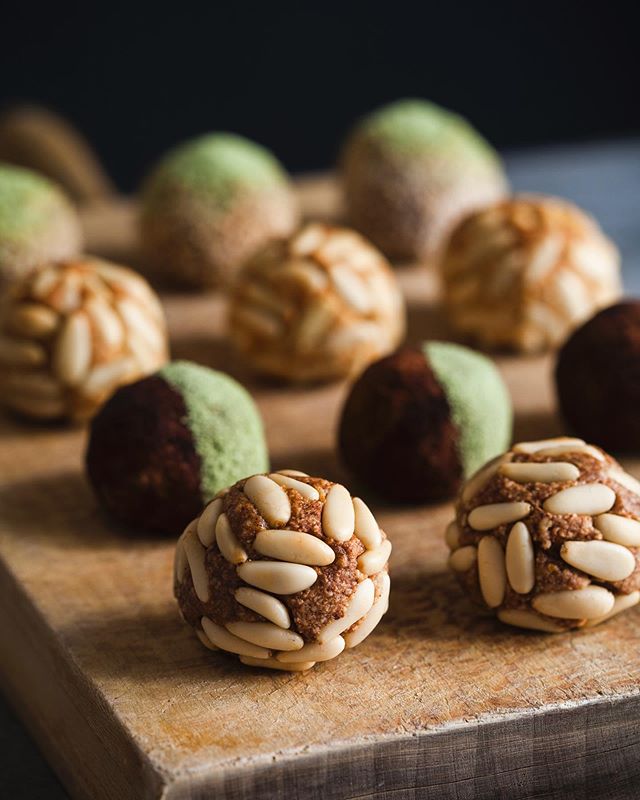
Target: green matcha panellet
column 37, row 222
column 160, row 448
column 420, row 421
column 479, row 401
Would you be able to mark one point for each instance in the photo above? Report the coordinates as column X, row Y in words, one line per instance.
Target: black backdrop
column 138, row 78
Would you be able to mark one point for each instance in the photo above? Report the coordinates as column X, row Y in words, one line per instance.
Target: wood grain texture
column 440, row 702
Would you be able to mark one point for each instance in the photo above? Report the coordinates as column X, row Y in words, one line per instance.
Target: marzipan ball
column 548, row 536
column 283, row 570
column 209, row 205
column 411, row 170
column 419, row 421
column 598, row 378
column 523, row 273
column 73, row 331
column 37, row 223
column 319, row 306
column 164, row 446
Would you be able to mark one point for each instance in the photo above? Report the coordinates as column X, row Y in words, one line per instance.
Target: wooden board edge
column 71, row 723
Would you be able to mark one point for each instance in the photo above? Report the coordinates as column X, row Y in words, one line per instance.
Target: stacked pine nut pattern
column 319, row 306
column 548, row 536
column 72, row 332
column 283, row 570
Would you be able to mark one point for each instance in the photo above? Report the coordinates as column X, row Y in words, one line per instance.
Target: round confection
column 419, row 421
column 523, row 273
column 37, row 223
column 283, row 570
column 411, row 170
column 598, row 378
column 73, row 331
column 162, row 447
column 316, row 307
column 547, row 536
column 209, row 205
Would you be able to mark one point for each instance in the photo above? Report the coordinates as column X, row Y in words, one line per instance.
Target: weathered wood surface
column 440, row 702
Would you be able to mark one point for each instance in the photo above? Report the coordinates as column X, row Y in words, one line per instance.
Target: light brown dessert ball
column 73, row 331
column 548, row 536
column 319, row 306
column 523, row 273
column 209, row 205
column 37, row 223
column 411, row 170
column 283, row 570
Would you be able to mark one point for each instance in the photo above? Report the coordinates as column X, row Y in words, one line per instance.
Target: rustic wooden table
column 440, row 703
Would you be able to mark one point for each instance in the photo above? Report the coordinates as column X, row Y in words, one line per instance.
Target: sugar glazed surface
column 548, row 536
column 283, row 570
column 319, row 306
column 72, row 332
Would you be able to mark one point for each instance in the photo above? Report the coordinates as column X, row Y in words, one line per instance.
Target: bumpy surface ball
column 419, row 421
column 283, row 570
column 548, row 536
column 209, row 205
column 162, row 447
column 73, row 331
column 37, row 223
column 319, row 306
column 598, row 378
column 523, row 273
column 411, row 170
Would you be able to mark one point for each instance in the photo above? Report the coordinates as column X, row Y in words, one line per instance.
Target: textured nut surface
column 283, row 572
column 88, row 326
column 319, row 306
column 548, row 535
column 523, row 273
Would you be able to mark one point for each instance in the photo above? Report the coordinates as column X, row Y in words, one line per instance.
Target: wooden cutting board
column 440, row 702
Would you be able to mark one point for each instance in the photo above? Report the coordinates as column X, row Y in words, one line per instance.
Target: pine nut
column 372, row 561
column 277, row 576
column 272, row 663
column 366, row 527
column 314, row 652
column 338, row 516
column 564, row 450
column 205, row 640
column 227, row 542
column 44, row 281
column 548, row 472
column 463, row 559
column 452, row 535
column 483, row 518
column 16, row 353
column 104, row 377
column 352, row 289
column 32, row 319
column 541, row 444
column 621, row 530
column 41, row 407
column 180, row 562
column 590, row 602
column 370, row 621
column 626, row 480
column 520, row 559
column 622, row 603
column 588, row 498
column 481, row 478
column 138, row 323
column 270, row 499
column 264, row 604
column 72, row 351
column 359, row 604
column 604, row 560
column 221, row 638
column 107, row 327
column 527, row 619
column 308, row 492
column 207, row 522
column 293, row 473
column 195, row 553
column 491, row 571
column 266, row 634
column 294, row 546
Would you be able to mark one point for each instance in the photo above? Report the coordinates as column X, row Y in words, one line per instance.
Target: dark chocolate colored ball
column 598, row 378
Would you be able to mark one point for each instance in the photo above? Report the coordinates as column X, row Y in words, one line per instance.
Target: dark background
column 138, row 78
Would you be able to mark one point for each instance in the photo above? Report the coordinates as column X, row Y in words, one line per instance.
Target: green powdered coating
column 215, row 167
column 414, row 127
column 479, row 401
column 27, row 202
column 225, row 423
